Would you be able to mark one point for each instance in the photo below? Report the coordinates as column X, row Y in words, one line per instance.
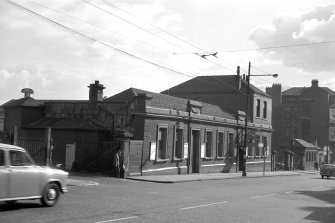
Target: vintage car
column 21, row 179
column 327, row 170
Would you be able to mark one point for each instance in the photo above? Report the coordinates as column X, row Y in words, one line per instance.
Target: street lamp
column 244, row 173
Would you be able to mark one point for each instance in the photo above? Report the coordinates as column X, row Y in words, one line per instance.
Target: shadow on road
column 17, row 206
column 323, row 212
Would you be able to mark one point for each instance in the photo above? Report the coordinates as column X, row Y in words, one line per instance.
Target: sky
column 59, row 47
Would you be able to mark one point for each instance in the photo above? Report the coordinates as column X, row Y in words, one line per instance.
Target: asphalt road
column 303, row 198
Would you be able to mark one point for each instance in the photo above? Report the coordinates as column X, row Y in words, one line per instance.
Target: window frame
column 223, row 145
column 166, row 158
column 175, row 140
column 230, row 142
column 208, row 150
column 265, row 109
column 258, row 108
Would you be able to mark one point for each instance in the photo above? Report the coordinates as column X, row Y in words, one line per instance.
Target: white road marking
column 266, row 195
column 289, row 192
column 203, row 205
column 119, row 219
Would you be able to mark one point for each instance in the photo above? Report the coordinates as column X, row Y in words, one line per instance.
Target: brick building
column 229, row 92
column 158, row 133
column 303, row 114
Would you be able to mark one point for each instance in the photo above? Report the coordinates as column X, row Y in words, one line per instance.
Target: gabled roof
column 168, row 102
column 66, row 123
column 211, row 84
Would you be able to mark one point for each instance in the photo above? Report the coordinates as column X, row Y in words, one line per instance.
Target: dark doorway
column 195, row 151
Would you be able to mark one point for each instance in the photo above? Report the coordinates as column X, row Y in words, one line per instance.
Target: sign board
column 70, row 155
column 203, row 148
column 332, row 134
column 260, row 145
column 185, row 150
column 152, row 151
column 332, row 115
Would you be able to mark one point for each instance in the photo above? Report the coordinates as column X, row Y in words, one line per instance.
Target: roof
column 297, row 91
column 211, row 84
column 306, row 144
column 168, row 102
column 31, row 102
column 66, row 123
column 27, row 102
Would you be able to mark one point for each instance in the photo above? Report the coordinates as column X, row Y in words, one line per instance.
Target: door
column 24, row 177
column 3, row 176
column 195, row 151
column 70, row 155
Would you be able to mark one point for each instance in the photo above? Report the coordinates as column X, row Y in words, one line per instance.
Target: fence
column 36, row 148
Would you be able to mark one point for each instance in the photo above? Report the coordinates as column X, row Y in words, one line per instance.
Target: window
column 305, row 128
column 231, row 144
column 258, row 149
column 265, row 146
column 19, row 158
column 221, row 149
column 178, row 143
column 258, row 108
column 209, row 143
column 250, row 151
column 265, row 105
column 2, row 158
column 162, row 143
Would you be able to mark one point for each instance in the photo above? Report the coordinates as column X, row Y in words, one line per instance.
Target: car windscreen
column 20, row 158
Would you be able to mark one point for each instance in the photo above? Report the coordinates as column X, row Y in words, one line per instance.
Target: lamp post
column 244, row 173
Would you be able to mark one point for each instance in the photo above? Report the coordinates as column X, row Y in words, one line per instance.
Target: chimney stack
column 315, row 83
column 96, row 92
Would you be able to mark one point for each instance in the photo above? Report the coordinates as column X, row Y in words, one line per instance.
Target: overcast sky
column 58, row 48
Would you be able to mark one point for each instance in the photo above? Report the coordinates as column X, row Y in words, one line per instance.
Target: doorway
column 195, row 151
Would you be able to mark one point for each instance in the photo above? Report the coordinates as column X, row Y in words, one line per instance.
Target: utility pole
column 244, row 173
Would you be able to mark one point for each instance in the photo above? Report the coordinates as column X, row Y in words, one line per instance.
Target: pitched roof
column 66, row 123
column 305, row 144
column 27, row 102
column 212, row 84
column 168, row 102
column 297, row 91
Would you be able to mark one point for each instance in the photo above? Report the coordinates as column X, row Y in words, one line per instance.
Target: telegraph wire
column 100, row 27
column 93, row 39
column 133, row 24
column 282, row 46
column 125, row 20
column 18, row 6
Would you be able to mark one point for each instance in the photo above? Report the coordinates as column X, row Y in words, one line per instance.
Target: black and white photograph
column 159, row 111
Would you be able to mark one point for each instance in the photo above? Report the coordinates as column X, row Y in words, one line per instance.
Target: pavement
column 86, row 179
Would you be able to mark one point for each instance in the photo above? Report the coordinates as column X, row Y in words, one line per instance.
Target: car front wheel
column 51, row 194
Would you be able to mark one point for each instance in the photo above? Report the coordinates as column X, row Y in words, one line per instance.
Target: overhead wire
column 281, row 46
column 18, row 6
column 125, row 20
column 93, row 39
column 100, row 27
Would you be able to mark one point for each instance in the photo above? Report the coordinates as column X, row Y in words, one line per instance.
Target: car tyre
column 322, row 176
column 51, row 194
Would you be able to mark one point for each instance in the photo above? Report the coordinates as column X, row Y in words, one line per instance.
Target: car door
column 24, row 177
column 3, row 175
